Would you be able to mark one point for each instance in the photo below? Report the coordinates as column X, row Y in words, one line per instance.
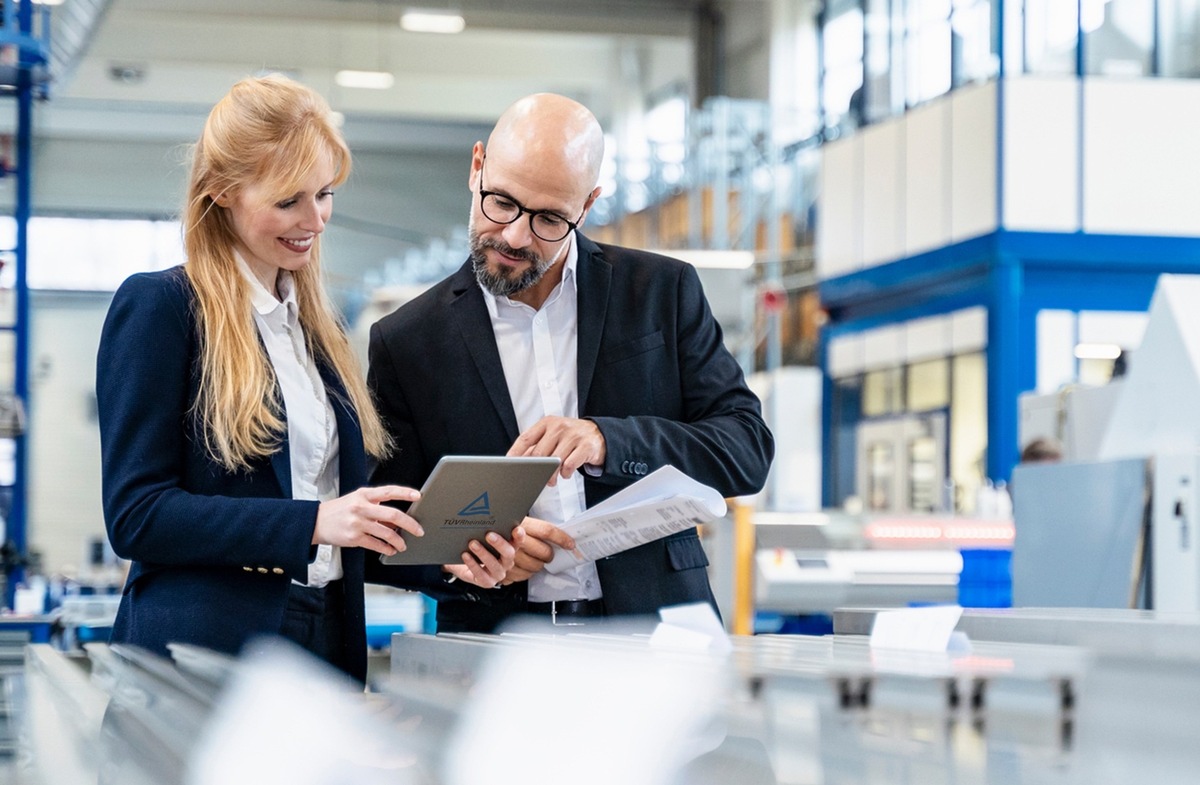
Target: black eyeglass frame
column 523, row 210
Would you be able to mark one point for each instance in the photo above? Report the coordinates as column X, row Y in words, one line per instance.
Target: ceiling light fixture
column 365, row 80
column 424, row 20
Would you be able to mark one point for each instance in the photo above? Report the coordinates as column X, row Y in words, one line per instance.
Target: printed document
column 661, row 503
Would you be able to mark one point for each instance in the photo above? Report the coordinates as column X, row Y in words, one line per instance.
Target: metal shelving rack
column 24, row 58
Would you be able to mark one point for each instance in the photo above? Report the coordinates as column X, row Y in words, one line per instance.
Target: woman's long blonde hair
column 268, row 132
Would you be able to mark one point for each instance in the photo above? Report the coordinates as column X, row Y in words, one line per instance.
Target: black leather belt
column 567, row 609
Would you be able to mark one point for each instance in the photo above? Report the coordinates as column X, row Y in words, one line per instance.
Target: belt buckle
column 554, row 617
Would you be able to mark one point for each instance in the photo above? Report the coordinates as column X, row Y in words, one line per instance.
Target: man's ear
column 587, row 206
column 477, row 154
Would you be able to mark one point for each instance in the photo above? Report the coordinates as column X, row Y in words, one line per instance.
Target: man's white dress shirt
column 538, row 349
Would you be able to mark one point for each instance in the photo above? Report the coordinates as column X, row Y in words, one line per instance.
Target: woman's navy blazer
column 212, row 551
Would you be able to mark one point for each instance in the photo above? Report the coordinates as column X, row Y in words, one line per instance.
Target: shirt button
column 262, row 569
column 277, row 570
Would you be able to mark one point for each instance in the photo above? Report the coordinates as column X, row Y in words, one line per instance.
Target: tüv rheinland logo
column 478, row 506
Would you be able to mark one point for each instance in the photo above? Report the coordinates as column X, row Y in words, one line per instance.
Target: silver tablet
column 468, row 496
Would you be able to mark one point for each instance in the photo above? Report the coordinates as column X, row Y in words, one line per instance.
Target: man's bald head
column 551, row 131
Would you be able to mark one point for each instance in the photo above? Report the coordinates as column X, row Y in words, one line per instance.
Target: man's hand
column 536, row 551
column 576, row 442
column 484, row 568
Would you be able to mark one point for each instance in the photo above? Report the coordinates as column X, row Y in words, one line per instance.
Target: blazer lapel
column 352, row 467
column 593, row 280
column 281, row 462
column 469, row 312
column 352, row 470
column 281, row 459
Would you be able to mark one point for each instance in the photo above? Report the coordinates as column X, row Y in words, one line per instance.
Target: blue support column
column 827, row 435
column 1004, row 362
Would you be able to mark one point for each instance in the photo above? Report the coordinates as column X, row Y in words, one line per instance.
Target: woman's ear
column 222, row 199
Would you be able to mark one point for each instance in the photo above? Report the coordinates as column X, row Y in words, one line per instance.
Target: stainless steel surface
column 831, row 710
column 1113, row 631
column 1045, row 696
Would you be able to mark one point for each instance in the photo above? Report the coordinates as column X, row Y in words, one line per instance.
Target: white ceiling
column 108, row 140
column 153, row 66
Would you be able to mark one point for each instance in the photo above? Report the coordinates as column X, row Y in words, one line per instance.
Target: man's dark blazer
column 653, row 374
column 213, row 552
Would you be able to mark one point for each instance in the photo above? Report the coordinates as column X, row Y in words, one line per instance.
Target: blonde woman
column 235, row 424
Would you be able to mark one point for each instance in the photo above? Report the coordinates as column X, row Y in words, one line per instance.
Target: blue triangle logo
column 478, row 506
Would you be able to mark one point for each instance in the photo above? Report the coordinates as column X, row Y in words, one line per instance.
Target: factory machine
column 787, row 568
column 814, row 563
column 1114, row 525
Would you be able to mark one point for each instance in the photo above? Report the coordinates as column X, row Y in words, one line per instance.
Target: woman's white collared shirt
column 312, row 428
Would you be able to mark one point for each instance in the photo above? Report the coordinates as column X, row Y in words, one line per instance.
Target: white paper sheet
column 661, row 503
column 916, row 629
column 693, row 627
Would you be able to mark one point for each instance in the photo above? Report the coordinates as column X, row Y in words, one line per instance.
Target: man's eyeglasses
column 501, row 209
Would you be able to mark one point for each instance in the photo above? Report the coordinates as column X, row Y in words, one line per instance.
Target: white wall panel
column 839, row 219
column 883, row 193
column 968, row 329
column 1040, row 156
column 845, row 356
column 973, row 162
column 1140, row 161
column 926, row 138
column 927, row 338
column 65, row 508
column 883, row 347
column 1124, row 328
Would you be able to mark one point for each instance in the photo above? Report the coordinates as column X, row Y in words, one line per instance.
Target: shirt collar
column 567, row 283
column 263, row 301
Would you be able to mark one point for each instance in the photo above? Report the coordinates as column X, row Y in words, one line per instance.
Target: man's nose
column 519, row 233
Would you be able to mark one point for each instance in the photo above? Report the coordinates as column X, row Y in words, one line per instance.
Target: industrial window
column 89, row 254
column 968, row 428
column 927, row 50
column 842, row 66
column 1050, row 34
column 883, row 392
column 928, row 385
column 884, row 88
column 1119, row 37
column 1179, row 38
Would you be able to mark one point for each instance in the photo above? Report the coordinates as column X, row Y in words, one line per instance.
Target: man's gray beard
column 501, row 285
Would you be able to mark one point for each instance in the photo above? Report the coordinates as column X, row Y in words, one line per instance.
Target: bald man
column 546, row 343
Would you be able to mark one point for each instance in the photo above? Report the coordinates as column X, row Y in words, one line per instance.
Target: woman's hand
column 361, row 520
column 486, row 566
